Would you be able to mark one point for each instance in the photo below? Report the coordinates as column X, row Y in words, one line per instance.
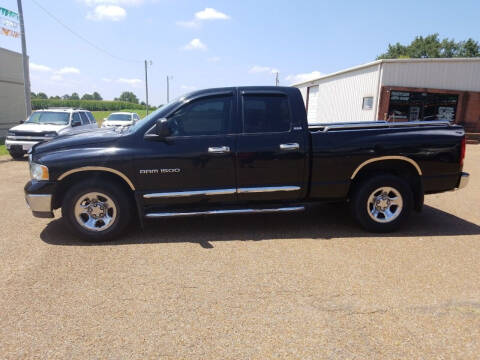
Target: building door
column 312, row 104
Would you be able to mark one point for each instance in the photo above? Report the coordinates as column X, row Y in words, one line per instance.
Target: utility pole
column 146, row 86
column 26, row 72
column 276, row 79
column 168, row 89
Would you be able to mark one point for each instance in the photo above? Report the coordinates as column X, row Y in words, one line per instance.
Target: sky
column 210, row 43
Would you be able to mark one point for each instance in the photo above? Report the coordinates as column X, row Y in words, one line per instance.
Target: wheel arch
column 92, row 174
column 400, row 166
column 376, row 160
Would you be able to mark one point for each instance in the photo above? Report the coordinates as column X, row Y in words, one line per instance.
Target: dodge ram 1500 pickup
column 242, row 150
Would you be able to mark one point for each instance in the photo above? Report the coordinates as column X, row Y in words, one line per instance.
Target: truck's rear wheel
column 382, row 203
column 96, row 212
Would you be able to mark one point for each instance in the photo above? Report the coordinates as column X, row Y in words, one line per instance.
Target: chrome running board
column 224, row 212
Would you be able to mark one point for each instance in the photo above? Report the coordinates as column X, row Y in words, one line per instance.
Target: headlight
column 38, row 172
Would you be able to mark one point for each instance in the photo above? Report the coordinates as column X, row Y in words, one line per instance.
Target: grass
column 3, row 149
column 100, row 115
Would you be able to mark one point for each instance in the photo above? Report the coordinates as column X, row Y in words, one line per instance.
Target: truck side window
column 91, row 117
column 85, row 120
column 265, row 113
column 210, row 116
column 76, row 117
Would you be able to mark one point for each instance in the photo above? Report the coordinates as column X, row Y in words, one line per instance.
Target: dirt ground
column 299, row 286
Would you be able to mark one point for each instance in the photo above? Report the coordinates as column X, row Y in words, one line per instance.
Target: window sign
column 446, row 113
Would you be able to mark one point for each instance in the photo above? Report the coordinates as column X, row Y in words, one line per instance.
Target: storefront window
column 418, row 106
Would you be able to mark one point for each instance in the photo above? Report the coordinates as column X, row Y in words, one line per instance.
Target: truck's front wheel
column 16, row 154
column 382, row 203
column 96, row 212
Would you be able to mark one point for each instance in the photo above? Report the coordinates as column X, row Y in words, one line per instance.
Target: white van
column 44, row 125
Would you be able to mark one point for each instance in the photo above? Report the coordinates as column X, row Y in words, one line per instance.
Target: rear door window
column 91, row 117
column 266, row 113
column 85, row 119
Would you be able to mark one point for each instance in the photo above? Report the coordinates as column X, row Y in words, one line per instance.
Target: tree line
column 126, row 96
column 432, row 46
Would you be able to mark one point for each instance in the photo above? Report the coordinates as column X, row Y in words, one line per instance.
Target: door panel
column 273, row 173
column 271, row 152
column 183, row 171
column 196, row 165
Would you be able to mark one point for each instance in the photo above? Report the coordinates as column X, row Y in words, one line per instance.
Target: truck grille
column 29, row 133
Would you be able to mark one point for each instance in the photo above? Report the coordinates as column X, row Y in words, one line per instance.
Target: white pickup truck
column 44, row 125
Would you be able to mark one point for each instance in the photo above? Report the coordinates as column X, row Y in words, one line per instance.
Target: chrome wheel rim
column 385, row 204
column 95, row 211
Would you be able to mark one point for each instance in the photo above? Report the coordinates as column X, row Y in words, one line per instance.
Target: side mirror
column 22, row 121
column 76, row 123
column 162, row 129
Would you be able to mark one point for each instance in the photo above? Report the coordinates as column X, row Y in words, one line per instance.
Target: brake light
column 462, row 151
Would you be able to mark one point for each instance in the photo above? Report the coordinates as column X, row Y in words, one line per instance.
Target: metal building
column 398, row 90
column 12, row 94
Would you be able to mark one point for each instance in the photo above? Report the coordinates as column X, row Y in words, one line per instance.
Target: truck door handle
column 219, row 150
column 289, row 147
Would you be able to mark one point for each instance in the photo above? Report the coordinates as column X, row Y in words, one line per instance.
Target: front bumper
column 24, row 145
column 463, row 182
column 40, row 204
column 39, row 198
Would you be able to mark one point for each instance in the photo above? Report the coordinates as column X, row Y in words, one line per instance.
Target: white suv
column 120, row 119
column 44, row 125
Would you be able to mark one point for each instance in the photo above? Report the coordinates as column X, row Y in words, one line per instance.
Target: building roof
column 377, row 62
column 10, row 51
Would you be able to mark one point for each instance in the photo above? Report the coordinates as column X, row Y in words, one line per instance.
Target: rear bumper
column 463, row 182
column 24, row 145
column 39, row 198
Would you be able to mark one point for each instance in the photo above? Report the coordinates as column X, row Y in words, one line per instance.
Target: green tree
column 469, row 48
column 96, row 96
column 55, row 97
column 432, row 46
column 33, row 95
column 66, row 97
column 42, row 96
column 74, row 96
column 87, row 97
column 128, row 96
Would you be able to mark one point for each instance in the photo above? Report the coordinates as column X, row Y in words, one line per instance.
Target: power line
column 81, row 37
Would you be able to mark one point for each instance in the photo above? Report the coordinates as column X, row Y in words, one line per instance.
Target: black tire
column 17, row 155
column 124, row 209
column 364, row 211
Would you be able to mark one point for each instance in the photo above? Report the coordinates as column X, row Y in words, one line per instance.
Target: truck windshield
column 49, row 117
column 120, row 117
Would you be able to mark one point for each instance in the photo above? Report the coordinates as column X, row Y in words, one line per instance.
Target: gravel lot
column 307, row 286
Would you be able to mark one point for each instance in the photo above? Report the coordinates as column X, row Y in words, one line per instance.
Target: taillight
column 462, row 151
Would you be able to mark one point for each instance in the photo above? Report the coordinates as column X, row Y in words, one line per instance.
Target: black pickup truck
column 242, row 150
